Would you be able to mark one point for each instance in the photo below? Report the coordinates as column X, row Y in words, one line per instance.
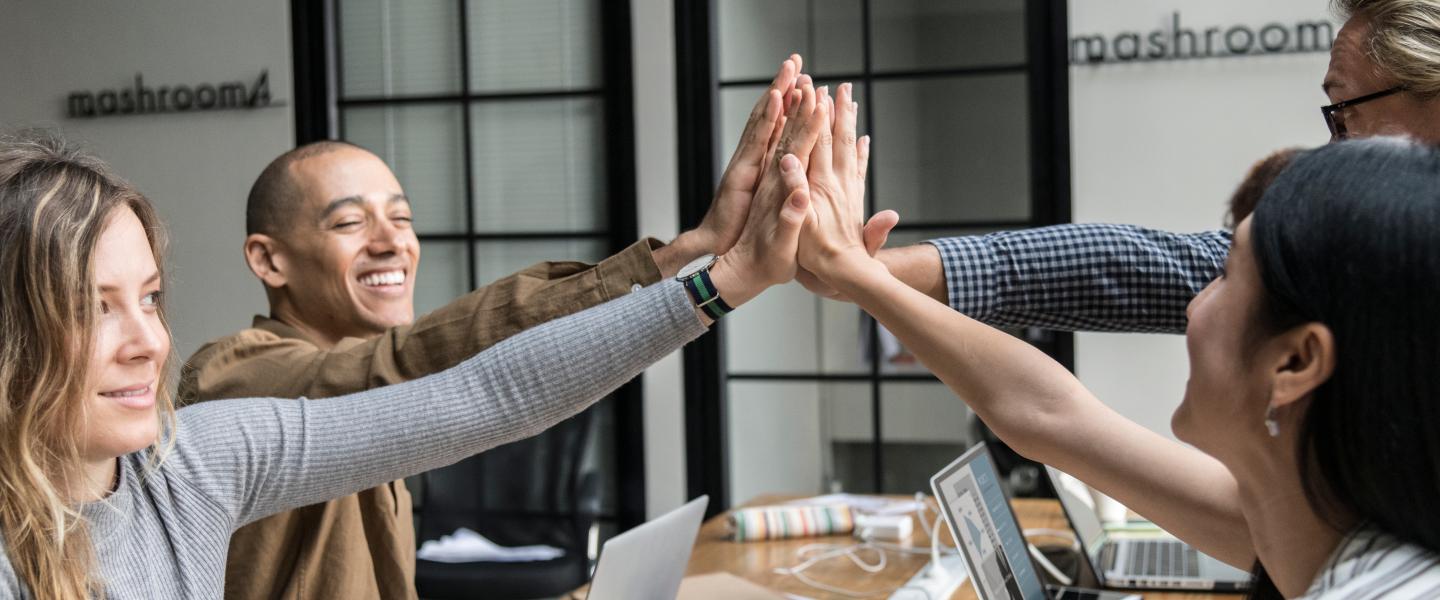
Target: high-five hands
column 764, row 254
column 810, row 171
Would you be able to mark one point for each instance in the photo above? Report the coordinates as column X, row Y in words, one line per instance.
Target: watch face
column 695, row 266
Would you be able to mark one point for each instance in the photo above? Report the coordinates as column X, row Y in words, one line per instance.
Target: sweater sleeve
column 1082, row 277
column 261, row 456
column 10, row 587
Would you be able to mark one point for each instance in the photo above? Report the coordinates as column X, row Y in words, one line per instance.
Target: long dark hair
column 1349, row 236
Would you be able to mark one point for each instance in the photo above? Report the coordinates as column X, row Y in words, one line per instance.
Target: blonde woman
column 107, row 491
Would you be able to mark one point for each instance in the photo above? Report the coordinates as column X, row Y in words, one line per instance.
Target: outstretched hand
column 725, row 219
column 876, row 233
column 835, row 236
column 765, row 252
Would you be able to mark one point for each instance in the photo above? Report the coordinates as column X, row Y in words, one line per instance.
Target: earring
column 1270, row 425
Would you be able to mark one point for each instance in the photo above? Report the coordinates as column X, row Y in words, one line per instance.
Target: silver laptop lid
column 1080, row 511
column 648, row 562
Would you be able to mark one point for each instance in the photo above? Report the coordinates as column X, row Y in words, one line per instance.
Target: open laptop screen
column 981, row 520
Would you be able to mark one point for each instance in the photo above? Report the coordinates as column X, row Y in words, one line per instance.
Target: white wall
column 1163, row 144
column 196, row 167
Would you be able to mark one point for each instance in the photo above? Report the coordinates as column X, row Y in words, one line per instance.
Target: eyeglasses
column 1335, row 120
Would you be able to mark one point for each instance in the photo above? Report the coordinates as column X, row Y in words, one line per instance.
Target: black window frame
column 706, row 375
column 318, row 102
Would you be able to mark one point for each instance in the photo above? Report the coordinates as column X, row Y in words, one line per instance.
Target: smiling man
column 329, row 234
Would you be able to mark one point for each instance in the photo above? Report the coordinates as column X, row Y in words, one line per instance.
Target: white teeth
column 385, row 278
column 128, row 394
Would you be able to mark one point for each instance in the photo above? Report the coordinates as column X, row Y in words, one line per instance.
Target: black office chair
column 533, row 491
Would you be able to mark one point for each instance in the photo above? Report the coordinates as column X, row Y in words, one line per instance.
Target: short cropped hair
column 272, row 199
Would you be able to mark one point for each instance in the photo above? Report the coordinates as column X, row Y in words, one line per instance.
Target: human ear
column 1305, row 360
column 265, row 260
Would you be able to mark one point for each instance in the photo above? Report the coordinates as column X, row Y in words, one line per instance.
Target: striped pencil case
column 776, row 522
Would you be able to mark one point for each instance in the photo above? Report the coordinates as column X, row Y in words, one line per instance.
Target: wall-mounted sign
column 1179, row 42
column 142, row 99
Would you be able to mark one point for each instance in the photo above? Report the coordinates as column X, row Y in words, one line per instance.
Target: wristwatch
column 696, row 277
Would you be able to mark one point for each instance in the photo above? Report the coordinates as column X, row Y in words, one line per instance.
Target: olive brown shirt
column 363, row 546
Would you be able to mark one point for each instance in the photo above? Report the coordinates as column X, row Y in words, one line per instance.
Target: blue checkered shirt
column 1088, row 277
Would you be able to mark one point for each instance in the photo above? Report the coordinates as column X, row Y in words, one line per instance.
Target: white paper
column 468, row 546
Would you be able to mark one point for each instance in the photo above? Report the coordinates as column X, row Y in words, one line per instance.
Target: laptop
column 991, row 541
column 1139, row 560
column 648, row 562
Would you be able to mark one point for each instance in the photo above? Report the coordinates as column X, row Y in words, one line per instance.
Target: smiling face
column 1227, row 394
column 349, row 257
column 130, row 343
column 1353, row 74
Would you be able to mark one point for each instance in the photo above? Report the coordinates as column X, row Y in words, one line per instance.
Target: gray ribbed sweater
column 164, row 534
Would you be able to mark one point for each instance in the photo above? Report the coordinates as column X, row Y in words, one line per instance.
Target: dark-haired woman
column 1313, row 388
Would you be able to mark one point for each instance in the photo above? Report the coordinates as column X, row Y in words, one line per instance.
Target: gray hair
column 1404, row 39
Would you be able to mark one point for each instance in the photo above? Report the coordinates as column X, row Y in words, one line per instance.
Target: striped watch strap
column 706, row 297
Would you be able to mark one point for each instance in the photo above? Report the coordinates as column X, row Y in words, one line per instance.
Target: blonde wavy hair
column 54, row 204
column 1404, row 39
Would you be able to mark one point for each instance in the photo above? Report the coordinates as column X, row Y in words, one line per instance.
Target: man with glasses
column 1384, row 79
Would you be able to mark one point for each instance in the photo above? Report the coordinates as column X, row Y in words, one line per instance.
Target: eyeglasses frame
column 1337, row 126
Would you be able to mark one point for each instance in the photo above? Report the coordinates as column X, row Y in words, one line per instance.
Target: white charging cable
column 815, row 553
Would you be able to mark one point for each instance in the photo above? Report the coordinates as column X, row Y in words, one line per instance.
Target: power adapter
column 884, row 528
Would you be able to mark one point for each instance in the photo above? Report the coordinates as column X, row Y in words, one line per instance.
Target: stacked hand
column 835, row 237
column 806, row 215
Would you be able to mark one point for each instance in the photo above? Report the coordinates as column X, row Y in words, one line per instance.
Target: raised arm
column 1038, row 408
column 1081, row 277
column 262, row 456
column 1076, row 277
column 1029, row 400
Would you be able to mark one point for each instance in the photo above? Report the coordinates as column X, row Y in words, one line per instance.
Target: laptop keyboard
column 1162, row 558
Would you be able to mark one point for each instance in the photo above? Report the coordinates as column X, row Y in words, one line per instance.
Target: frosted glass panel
column 396, row 47
column 534, row 44
column 937, row 34
column 923, row 427
column 441, row 277
column 952, row 149
column 539, row 166
column 496, row 259
column 424, row 146
column 917, row 412
column 789, row 330
column 798, row 438
column 755, row 35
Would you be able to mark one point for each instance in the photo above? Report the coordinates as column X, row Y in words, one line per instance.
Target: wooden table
column 756, row 561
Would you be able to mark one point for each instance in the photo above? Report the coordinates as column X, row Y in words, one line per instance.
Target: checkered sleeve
column 1081, row 277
